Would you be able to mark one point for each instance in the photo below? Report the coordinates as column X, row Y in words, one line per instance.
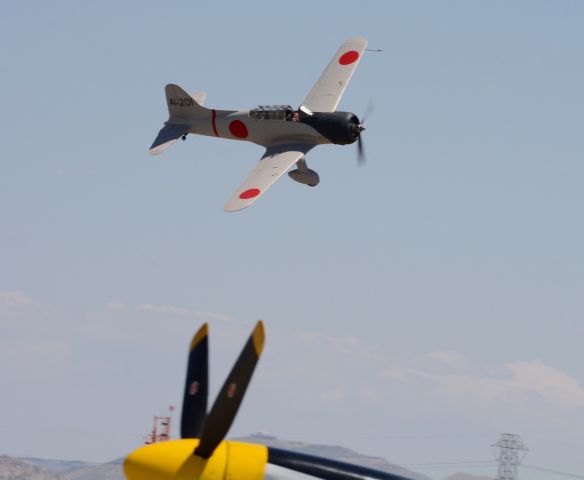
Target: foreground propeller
column 202, row 434
column 229, row 399
column 325, row 468
column 196, row 391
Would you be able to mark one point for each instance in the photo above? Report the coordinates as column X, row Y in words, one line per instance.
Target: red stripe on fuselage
column 214, row 116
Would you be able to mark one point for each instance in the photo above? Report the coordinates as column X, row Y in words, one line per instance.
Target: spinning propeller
column 203, row 454
column 361, row 128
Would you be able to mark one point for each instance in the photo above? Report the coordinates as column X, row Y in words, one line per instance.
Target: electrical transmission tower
column 511, row 453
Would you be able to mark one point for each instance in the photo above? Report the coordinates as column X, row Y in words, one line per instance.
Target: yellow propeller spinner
column 202, row 453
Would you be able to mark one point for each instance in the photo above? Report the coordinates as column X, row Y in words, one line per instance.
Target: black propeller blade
column 326, row 468
column 368, row 111
column 360, row 147
column 231, row 394
column 194, row 408
column 360, row 152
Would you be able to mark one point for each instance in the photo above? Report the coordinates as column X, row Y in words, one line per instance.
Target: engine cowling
column 340, row 128
column 307, row 177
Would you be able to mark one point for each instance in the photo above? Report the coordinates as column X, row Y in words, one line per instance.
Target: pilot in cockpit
column 292, row 116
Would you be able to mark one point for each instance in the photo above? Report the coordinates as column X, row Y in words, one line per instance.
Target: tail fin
column 181, row 108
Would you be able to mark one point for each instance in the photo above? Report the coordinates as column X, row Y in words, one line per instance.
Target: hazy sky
column 415, row 308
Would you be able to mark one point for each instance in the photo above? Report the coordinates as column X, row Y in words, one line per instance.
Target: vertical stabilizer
column 181, row 105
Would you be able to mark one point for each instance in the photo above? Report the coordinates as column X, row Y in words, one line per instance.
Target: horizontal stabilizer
column 169, row 134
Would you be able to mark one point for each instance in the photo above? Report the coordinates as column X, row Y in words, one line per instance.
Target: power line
column 548, row 470
column 469, row 463
column 430, row 468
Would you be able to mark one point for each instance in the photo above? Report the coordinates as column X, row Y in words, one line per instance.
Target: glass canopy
column 272, row 112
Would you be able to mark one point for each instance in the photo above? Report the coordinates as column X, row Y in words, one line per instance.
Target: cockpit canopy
column 272, row 112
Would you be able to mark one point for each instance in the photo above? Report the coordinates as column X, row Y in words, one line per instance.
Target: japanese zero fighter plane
column 203, row 454
column 286, row 134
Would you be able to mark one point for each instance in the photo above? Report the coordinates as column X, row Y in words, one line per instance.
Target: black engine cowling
column 341, row 128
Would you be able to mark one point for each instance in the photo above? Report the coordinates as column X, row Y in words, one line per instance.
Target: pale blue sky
column 415, row 308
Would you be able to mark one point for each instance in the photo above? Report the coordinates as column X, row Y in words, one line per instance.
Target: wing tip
column 234, row 208
column 361, row 40
column 241, row 201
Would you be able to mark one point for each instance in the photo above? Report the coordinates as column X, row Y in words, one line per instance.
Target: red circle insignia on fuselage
column 349, row 57
column 252, row 192
column 238, row 129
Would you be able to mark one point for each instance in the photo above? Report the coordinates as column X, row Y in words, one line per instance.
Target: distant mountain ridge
column 41, row 469
column 57, row 466
column 17, row 469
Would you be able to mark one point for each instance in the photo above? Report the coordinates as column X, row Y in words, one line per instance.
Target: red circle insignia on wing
column 250, row 193
column 349, row 57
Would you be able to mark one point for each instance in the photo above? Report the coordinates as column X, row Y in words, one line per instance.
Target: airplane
column 203, row 454
column 287, row 134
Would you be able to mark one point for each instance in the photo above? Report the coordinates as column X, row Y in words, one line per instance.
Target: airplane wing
column 275, row 162
column 326, row 93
